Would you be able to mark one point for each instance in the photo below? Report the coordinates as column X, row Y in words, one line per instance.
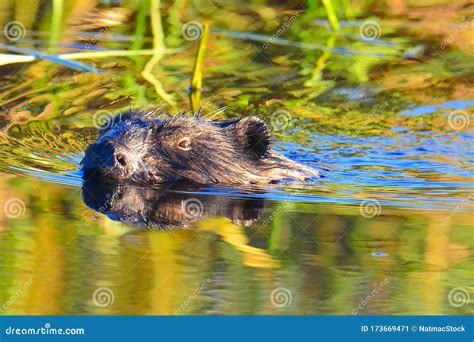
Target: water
column 388, row 230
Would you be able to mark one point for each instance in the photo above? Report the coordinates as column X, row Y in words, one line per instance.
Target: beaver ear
column 253, row 135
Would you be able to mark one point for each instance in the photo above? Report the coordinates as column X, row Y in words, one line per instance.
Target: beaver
column 137, row 147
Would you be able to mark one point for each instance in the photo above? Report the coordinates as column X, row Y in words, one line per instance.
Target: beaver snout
column 104, row 157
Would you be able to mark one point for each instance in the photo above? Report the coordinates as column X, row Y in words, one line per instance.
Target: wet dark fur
column 138, row 148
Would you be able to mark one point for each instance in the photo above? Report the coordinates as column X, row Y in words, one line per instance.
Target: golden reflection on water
column 326, row 256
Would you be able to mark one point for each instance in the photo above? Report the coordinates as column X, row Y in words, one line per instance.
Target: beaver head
column 140, row 149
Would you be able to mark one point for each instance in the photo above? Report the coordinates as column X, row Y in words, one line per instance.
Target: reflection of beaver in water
column 166, row 208
column 140, row 149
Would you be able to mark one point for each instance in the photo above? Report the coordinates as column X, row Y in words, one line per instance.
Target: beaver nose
column 106, row 154
column 100, row 155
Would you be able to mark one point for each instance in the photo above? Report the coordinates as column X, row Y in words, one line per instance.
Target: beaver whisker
column 153, row 111
column 213, row 115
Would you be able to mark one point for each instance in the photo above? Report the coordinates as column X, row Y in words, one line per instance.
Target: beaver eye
column 185, row 144
column 121, row 159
